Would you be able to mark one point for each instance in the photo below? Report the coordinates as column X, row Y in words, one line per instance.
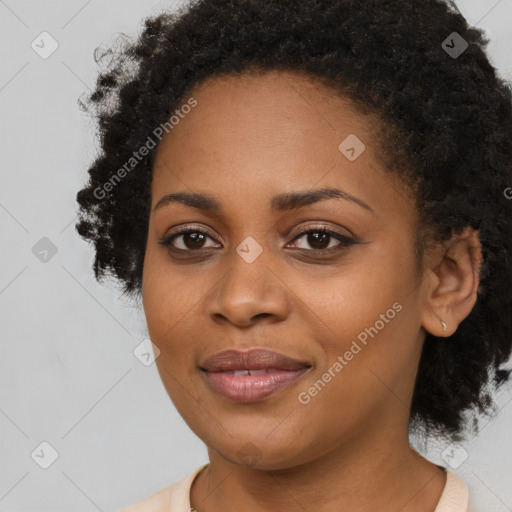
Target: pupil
column 317, row 240
column 314, row 242
column 195, row 238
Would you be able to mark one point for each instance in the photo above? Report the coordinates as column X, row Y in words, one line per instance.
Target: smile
column 247, row 386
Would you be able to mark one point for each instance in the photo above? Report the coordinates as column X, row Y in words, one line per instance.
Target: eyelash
column 345, row 241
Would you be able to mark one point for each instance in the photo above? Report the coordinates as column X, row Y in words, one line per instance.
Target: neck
column 381, row 473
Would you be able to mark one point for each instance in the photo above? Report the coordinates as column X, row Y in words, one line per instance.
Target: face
column 258, row 272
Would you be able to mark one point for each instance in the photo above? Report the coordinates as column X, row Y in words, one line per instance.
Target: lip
column 253, row 359
column 249, row 376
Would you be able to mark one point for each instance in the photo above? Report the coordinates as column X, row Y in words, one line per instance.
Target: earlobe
column 454, row 285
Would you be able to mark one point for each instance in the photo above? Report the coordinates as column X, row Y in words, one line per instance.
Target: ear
column 453, row 283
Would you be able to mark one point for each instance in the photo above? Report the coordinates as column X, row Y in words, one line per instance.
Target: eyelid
column 166, row 239
column 344, row 240
column 322, row 227
column 188, row 227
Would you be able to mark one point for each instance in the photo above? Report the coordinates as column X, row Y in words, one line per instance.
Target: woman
column 309, row 199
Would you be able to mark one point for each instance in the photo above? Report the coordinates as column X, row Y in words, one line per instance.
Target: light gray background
column 68, row 375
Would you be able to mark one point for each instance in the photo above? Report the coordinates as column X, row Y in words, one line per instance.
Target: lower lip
column 251, row 388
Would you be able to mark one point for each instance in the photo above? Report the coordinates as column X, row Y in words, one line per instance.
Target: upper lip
column 253, row 359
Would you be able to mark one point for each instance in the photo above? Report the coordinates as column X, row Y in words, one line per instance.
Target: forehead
column 283, row 87
column 266, row 133
column 261, row 116
column 270, row 101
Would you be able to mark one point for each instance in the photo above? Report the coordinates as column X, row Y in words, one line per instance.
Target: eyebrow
column 280, row 202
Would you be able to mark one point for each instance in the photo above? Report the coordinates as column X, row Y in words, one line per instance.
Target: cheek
column 359, row 294
column 369, row 369
column 170, row 302
column 169, row 306
column 370, row 314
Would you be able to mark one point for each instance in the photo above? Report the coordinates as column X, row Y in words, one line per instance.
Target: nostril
column 262, row 315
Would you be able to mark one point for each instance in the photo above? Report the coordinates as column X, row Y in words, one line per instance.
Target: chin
column 259, row 451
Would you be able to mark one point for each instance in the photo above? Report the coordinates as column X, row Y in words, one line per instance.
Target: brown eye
column 320, row 238
column 191, row 240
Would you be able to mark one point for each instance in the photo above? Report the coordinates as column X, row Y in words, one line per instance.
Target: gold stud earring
column 444, row 325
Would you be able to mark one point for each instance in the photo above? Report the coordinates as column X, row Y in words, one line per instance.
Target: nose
column 249, row 292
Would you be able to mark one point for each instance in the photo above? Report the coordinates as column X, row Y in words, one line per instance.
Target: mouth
column 251, row 376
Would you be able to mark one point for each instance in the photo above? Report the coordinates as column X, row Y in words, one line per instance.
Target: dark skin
column 248, row 139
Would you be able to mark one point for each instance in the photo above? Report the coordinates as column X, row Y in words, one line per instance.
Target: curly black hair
column 446, row 131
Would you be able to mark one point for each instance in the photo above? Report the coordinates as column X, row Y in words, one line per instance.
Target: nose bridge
column 249, row 270
column 250, row 286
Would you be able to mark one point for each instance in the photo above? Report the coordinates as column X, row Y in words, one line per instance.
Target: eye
column 319, row 238
column 194, row 238
column 191, row 239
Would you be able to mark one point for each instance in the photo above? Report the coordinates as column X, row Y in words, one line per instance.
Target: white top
column 176, row 497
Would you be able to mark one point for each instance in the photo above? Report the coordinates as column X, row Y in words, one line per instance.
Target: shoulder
column 171, row 498
column 455, row 496
column 157, row 502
